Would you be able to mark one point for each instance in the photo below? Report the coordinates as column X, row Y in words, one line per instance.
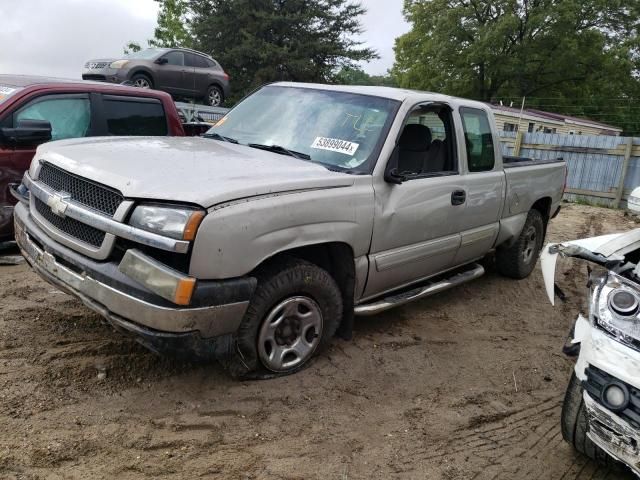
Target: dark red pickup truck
column 34, row 110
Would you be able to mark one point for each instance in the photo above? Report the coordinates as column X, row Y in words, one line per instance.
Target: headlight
column 618, row 309
column 118, row 64
column 174, row 222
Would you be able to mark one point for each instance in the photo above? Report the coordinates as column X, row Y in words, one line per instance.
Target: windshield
column 146, row 54
column 338, row 129
column 6, row 91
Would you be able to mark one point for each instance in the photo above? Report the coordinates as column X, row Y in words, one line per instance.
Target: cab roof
column 399, row 94
column 28, row 80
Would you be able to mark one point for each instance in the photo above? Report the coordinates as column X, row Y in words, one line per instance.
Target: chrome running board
column 475, row 271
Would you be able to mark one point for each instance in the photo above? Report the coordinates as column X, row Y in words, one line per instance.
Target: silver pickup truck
column 304, row 205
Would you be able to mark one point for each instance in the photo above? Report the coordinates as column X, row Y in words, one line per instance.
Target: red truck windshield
column 6, row 91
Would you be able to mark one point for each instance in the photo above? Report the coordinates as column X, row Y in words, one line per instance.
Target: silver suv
column 179, row 71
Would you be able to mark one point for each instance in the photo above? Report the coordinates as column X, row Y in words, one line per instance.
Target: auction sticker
column 335, row 145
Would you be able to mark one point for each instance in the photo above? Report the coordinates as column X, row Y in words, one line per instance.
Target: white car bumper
column 618, row 433
column 633, row 204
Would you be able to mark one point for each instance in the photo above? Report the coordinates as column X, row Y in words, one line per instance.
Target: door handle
column 458, row 197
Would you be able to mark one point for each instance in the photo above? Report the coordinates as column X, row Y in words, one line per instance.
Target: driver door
column 417, row 223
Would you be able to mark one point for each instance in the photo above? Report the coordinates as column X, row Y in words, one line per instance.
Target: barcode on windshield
column 335, row 145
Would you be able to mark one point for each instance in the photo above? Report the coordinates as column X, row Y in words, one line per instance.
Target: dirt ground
column 465, row 385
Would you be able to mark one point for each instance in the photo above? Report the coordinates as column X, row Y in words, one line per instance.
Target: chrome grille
column 93, row 195
column 70, row 226
column 95, row 65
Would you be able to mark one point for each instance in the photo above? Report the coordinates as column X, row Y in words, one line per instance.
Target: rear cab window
column 134, row 116
column 478, row 139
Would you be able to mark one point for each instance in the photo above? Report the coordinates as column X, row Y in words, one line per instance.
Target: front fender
column 235, row 238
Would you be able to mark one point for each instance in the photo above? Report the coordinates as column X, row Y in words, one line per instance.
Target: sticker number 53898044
column 335, row 145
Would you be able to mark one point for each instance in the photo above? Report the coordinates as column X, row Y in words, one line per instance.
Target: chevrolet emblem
column 58, row 203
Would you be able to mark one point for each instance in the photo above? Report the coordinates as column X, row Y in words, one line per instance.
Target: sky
column 56, row 37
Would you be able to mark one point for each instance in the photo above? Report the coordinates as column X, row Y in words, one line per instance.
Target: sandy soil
column 465, row 385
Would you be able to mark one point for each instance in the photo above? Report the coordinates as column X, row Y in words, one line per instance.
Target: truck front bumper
column 125, row 303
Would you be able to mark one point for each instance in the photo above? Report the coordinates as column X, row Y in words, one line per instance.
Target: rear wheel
column 574, row 424
column 519, row 260
column 293, row 314
column 214, row 97
column 141, row 80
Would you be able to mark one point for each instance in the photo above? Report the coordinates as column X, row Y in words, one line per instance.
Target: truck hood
column 196, row 170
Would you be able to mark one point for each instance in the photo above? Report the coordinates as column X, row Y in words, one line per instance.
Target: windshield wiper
column 217, row 136
column 280, row 149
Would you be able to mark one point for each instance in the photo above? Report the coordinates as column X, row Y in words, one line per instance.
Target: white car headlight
column 118, row 64
column 618, row 309
column 174, row 222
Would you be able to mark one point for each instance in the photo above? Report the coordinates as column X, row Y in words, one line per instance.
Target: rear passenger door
column 197, row 74
column 132, row 116
column 484, row 185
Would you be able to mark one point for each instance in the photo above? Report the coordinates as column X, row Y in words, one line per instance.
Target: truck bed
column 529, row 181
column 509, row 161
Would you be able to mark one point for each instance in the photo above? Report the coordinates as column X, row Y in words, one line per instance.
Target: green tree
column 569, row 53
column 131, row 47
column 260, row 41
column 172, row 29
column 354, row 75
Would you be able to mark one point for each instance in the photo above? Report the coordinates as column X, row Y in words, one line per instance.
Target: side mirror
column 391, row 172
column 162, row 61
column 28, row 133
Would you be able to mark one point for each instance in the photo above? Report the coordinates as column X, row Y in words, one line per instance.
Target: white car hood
column 613, row 246
column 186, row 169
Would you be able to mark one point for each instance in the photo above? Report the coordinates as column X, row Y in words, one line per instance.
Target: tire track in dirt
column 524, row 444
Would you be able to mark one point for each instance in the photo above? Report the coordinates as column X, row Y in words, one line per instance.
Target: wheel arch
column 543, row 205
column 143, row 71
column 338, row 259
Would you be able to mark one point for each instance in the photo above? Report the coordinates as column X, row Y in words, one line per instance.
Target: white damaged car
column 601, row 411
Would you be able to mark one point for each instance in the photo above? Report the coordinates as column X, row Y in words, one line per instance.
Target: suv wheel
column 293, row 314
column 214, row 97
column 140, row 80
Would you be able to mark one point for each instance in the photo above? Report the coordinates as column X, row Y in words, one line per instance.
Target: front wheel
column 141, row 80
column 519, row 260
column 292, row 316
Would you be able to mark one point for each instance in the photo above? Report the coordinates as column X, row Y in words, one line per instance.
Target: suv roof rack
column 193, row 51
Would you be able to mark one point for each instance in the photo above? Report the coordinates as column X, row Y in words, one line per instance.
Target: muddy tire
column 519, row 260
column 574, row 425
column 292, row 316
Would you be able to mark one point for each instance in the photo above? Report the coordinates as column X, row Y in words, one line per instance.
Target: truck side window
column 425, row 143
column 131, row 118
column 478, row 138
column 69, row 117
